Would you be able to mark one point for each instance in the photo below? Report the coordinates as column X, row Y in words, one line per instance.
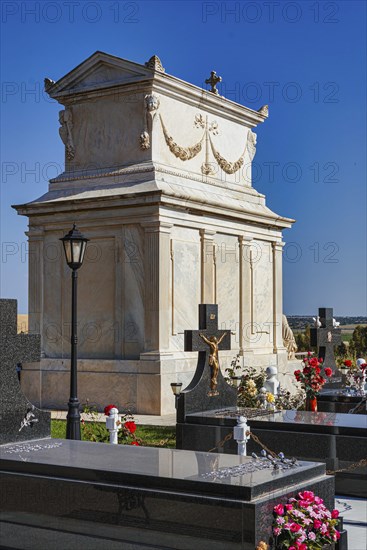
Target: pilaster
column 157, row 258
column 277, row 249
column 207, row 267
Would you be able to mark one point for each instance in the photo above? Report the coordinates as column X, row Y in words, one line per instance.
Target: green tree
column 358, row 343
column 303, row 339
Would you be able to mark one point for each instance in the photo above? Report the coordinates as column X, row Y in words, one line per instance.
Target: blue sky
column 306, row 59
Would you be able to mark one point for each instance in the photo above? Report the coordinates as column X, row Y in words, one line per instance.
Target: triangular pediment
column 99, row 71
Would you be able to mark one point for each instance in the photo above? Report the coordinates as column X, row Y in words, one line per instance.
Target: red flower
column 317, row 524
column 313, row 362
column 348, row 363
column 135, row 443
column 108, row 409
column 328, row 372
column 335, row 514
column 307, row 495
column 279, row 509
column 295, row 527
column 131, row 426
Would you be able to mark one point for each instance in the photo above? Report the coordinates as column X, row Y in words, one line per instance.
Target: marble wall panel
column 186, row 285
column 263, row 295
column 227, row 284
column 133, row 292
column 96, row 301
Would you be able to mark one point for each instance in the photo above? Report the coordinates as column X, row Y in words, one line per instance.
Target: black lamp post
column 74, row 247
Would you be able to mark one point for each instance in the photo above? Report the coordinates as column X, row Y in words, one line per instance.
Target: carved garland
column 226, row 166
column 183, row 153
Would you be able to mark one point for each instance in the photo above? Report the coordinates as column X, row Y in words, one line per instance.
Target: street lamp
column 74, row 247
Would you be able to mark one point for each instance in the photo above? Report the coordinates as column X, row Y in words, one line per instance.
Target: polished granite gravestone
column 339, row 440
column 19, row 419
column 325, row 339
column 199, row 394
column 339, row 401
column 73, row 494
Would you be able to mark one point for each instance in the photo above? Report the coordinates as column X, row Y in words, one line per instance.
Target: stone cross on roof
column 201, row 394
column 325, row 339
column 19, row 419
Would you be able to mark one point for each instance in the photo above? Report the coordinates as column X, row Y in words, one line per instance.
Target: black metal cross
column 326, row 337
column 199, row 340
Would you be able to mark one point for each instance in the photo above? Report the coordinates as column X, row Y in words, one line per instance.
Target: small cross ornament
column 213, row 81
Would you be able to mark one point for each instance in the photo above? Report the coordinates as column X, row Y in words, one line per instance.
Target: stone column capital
column 277, row 246
column 244, row 240
column 157, row 227
column 207, row 234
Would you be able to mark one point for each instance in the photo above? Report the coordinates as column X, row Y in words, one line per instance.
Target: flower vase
column 311, row 404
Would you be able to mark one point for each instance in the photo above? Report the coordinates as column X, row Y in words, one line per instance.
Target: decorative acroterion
column 213, row 82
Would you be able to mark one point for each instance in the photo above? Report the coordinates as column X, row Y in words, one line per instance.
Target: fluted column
column 277, row 249
column 157, row 257
column 207, row 295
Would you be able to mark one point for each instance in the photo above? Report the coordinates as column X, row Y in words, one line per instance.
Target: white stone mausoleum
column 158, row 177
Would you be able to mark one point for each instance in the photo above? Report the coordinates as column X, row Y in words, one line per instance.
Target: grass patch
column 148, row 436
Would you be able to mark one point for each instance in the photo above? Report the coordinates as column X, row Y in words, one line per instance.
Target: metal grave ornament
column 207, row 390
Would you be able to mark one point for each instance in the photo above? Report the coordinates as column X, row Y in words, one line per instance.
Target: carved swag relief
column 187, row 153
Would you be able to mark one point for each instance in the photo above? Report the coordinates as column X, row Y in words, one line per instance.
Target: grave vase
column 311, row 403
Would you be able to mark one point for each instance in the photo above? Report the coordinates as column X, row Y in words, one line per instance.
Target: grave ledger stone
column 90, row 495
column 158, row 176
column 19, row 419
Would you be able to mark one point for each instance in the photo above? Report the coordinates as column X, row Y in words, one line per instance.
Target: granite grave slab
column 19, row 419
column 339, row 440
column 142, row 497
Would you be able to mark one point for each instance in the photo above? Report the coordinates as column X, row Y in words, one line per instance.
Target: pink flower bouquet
column 304, row 523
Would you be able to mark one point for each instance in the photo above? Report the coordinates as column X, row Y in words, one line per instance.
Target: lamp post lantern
column 74, row 247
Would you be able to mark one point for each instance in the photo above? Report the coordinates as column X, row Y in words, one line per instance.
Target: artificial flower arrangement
column 304, row 523
column 285, row 400
column 355, row 374
column 93, row 430
column 310, row 376
column 252, row 381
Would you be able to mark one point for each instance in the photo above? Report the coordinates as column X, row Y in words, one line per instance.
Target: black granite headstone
column 19, row 419
column 325, row 339
column 199, row 394
column 79, row 494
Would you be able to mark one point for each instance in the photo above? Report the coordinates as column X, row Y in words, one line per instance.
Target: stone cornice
column 66, row 90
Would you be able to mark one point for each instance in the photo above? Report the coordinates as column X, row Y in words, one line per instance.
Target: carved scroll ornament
column 183, row 153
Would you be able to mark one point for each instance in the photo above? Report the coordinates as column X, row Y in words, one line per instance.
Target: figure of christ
column 213, row 343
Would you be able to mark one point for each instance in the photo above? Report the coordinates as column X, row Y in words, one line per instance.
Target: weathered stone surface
column 19, row 419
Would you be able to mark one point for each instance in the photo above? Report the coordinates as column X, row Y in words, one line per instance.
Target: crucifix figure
column 213, row 81
column 326, row 338
column 213, row 343
column 208, row 335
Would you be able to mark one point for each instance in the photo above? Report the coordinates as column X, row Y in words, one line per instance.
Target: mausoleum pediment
column 100, row 70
